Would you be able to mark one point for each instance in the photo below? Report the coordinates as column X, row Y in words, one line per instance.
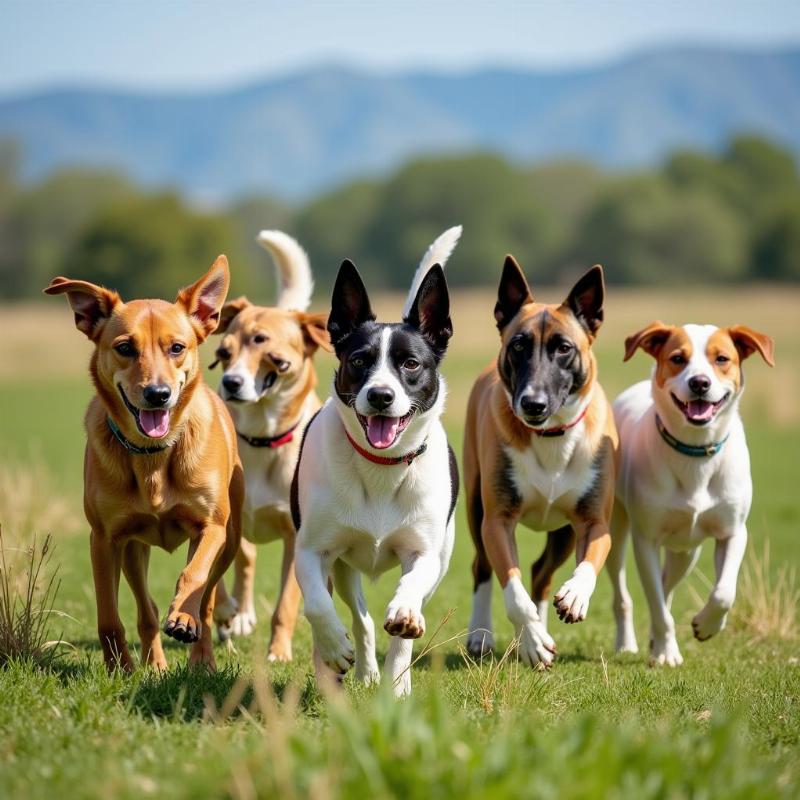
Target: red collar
column 561, row 429
column 270, row 441
column 386, row 461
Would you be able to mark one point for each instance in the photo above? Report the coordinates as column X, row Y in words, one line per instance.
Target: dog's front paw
column 572, row 599
column 664, row 651
column 536, row 647
column 480, row 642
column 404, row 622
column 710, row 621
column 243, row 623
column 183, row 626
column 334, row 646
column 225, row 611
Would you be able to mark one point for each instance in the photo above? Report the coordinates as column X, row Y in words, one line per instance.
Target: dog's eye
column 678, row 358
column 357, row 362
column 223, row 354
column 565, row 348
column 518, row 345
column 125, row 349
column 176, row 348
column 411, row 364
column 722, row 359
column 259, row 338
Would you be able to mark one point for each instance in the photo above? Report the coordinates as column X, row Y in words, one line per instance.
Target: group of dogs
column 367, row 481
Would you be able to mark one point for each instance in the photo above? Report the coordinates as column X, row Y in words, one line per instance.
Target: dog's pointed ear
column 585, row 300
column 349, row 304
column 92, row 305
column 651, row 339
column 230, row 311
column 512, row 294
column 204, row 299
column 747, row 341
column 315, row 331
column 430, row 311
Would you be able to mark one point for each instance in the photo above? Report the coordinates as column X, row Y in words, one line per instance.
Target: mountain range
column 298, row 134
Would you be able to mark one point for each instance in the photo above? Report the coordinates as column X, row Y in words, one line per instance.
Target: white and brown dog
column 539, row 449
column 684, row 475
column 376, row 482
column 268, row 385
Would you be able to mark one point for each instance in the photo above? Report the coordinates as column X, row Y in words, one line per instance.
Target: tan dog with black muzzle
column 161, row 465
column 539, row 449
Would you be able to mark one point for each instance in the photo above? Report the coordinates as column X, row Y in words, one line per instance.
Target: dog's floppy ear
column 230, row 311
column 349, row 305
column 747, row 341
column 91, row 304
column 204, row 299
column 512, row 294
column 585, row 300
column 315, row 331
column 651, row 339
column 430, row 311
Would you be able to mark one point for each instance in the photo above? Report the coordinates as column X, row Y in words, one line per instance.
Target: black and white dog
column 376, row 481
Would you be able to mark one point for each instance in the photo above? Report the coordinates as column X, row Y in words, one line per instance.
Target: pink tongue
column 382, row 431
column 155, row 423
column 700, row 409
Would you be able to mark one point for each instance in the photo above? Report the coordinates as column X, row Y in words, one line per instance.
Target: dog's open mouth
column 382, row 432
column 152, row 422
column 700, row 412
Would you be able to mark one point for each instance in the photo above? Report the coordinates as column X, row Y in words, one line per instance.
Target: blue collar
column 130, row 446
column 694, row 450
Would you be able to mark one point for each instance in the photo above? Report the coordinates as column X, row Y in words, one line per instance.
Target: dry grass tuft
column 766, row 606
column 27, row 596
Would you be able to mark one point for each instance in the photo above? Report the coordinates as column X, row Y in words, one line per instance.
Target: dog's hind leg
column 242, row 620
column 481, row 637
column 135, row 561
column 106, row 566
column 615, row 567
column 348, row 585
column 560, row 545
column 677, row 564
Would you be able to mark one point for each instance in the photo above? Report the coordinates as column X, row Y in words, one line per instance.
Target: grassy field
column 727, row 724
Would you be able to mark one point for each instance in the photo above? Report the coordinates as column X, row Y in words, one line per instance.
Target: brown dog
column 161, row 464
column 539, row 449
column 268, row 384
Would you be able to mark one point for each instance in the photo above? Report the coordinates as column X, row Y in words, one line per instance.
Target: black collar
column 130, row 446
column 270, row 441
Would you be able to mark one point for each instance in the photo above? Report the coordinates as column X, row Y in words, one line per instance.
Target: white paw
column 334, row 646
column 480, row 642
column 405, row 622
column 225, row 611
column 710, row 621
column 664, row 651
column 242, row 624
column 572, row 599
column 626, row 642
column 368, row 672
column 536, row 647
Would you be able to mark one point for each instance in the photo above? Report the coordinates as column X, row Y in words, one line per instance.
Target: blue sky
column 194, row 44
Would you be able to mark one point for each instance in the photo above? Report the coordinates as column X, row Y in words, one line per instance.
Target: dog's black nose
column 700, row 384
column 232, row 383
column 380, row 397
column 156, row 394
column 533, row 405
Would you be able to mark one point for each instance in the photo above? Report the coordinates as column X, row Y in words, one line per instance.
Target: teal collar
column 130, row 446
column 694, row 450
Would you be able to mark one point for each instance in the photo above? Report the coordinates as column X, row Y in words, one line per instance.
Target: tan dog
column 268, row 385
column 539, row 449
column 161, row 465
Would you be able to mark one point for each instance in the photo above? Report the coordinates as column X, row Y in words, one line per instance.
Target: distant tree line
column 698, row 218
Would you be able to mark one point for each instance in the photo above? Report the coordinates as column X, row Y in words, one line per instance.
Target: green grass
column 727, row 724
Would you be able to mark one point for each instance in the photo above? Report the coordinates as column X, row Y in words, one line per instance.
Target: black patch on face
column 590, row 505
column 360, row 355
column 294, row 491
column 504, row 486
column 547, row 365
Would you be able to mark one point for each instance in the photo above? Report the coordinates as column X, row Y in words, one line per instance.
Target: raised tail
column 437, row 253
column 294, row 270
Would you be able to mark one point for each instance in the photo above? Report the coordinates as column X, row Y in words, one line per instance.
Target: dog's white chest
column 268, row 475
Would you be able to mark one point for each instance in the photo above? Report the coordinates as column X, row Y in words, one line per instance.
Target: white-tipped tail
column 293, row 268
column 437, row 253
